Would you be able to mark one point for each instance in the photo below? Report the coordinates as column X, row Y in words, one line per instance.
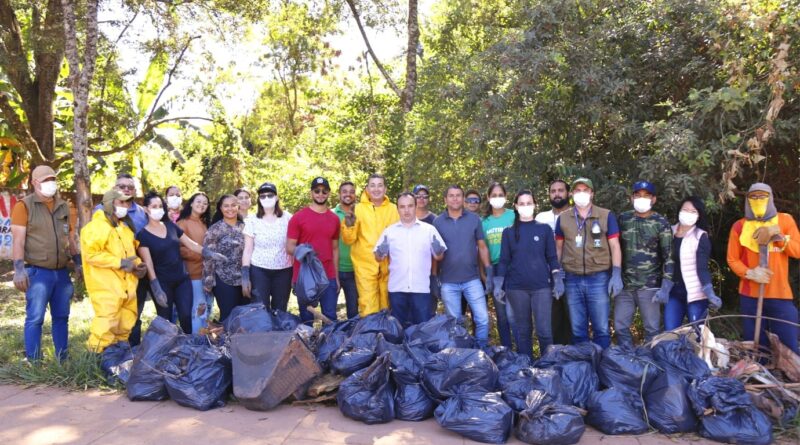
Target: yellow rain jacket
column 111, row 290
column 372, row 277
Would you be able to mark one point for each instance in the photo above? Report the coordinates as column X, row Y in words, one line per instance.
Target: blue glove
column 499, row 293
column 247, row 287
column 615, row 283
column 436, row 247
column 558, row 284
column 383, row 248
column 214, row 256
column 159, row 295
column 662, row 296
column 489, row 279
column 713, row 300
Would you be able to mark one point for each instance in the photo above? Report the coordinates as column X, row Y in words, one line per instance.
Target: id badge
column 578, row 240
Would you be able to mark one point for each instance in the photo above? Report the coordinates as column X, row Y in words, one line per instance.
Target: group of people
column 554, row 273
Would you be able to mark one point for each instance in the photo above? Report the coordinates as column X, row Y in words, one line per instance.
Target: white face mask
column 174, row 201
column 497, row 202
column 49, row 188
column 642, row 205
column 687, row 218
column 120, row 212
column 156, row 214
column 269, row 203
column 525, row 211
column 582, row 199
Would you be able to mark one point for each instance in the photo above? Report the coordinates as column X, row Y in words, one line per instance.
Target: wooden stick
column 784, row 385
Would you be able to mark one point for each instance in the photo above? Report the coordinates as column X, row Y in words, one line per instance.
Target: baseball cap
column 586, row 181
column 268, row 187
column 644, row 185
column 42, row 172
column 113, row 194
column 319, row 180
column 419, row 187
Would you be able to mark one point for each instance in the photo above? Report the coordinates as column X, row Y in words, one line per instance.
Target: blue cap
column 419, row 187
column 644, row 185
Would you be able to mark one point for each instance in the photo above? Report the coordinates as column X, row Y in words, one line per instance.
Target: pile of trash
column 377, row 372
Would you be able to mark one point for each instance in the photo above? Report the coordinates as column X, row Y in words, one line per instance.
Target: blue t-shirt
column 460, row 262
column 165, row 253
column 528, row 261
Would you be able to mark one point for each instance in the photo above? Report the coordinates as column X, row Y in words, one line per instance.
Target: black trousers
column 271, row 286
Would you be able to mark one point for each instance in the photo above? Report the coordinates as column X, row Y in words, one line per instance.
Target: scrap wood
column 318, row 315
column 785, row 359
column 324, row 383
column 331, row 397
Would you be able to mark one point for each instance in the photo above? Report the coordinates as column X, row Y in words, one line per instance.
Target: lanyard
column 580, row 224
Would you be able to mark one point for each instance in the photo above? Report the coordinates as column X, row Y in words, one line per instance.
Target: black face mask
column 559, row 203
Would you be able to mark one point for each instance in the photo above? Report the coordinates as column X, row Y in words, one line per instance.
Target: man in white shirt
column 410, row 245
column 559, row 200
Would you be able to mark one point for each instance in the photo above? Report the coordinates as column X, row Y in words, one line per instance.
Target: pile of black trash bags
column 434, row 369
column 192, row 370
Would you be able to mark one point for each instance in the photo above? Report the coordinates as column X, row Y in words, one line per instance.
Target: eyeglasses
column 266, row 195
column 126, row 186
column 473, row 200
column 422, row 197
column 321, row 191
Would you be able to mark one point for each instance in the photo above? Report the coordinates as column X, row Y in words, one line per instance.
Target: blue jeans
column 47, row 287
column 625, row 305
column 202, row 305
column 327, row 302
column 348, row 282
column 179, row 300
column 271, row 286
column 775, row 308
column 474, row 294
column 677, row 308
column 527, row 304
column 587, row 297
column 410, row 308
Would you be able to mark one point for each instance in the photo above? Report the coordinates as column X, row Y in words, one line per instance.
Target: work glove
column 349, row 219
column 713, row 300
column 128, row 264
column 763, row 235
column 383, row 249
column 214, row 256
column 662, row 295
column 140, row 270
column 21, row 281
column 615, row 283
column 499, row 293
column 159, row 296
column 760, row 275
column 558, row 284
column 436, row 247
column 489, row 279
column 246, row 286
column 436, row 287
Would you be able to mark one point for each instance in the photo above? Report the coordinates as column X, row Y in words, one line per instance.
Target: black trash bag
column 284, row 321
column 668, row 407
column 248, row 319
column 678, row 357
column 381, row 323
column 579, row 381
column 146, row 381
column 199, row 377
column 504, row 357
column 512, row 372
column 405, row 370
column 456, row 370
column 345, row 326
column 733, row 418
column 116, row 362
column 368, row 394
column 616, row 411
column 438, row 333
column 549, row 381
column 483, row 417
column 357, row 352
column 515, row 391
column 584, row 352
column 629, row 368
column 546, row 423
column 411, row 402
column 311, row 278
column 328, row 346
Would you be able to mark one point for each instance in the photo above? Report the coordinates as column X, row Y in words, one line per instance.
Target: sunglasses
column 473, row 200
column 266, row 195
column 126, row 187
column 422, row 197
column 321, row 191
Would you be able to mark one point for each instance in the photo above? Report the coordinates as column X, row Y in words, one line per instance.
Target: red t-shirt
column 318, row 229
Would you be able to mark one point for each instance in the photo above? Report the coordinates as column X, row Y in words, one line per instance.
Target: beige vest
column 594, row 256
column 46, row 234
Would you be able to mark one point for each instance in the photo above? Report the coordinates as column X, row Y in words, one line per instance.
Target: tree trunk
column 410, row 88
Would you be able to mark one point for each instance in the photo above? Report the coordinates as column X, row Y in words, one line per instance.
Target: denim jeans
column 524, row 305
column 587, row 297
column 474, row 294
column 625, row 305
column 271, row 286
column 228, row 297
column 202, row 305
column 348, row 282
column 410, row 308
column 677, row 308
column 51, row 287
column 327, row 302
column 775, row 308
column 179, row 300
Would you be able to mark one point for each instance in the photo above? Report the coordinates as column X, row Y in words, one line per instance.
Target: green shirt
column 646, row 250
column 493, row 227
column 345, row 263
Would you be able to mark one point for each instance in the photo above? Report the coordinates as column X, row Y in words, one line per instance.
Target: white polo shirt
column 410, row 255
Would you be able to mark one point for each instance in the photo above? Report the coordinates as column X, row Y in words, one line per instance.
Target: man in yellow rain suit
column 111, row 271
column 361, row 229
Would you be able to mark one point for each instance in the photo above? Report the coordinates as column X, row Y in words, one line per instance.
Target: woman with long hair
column 495, row 219
column 693, row 291
column 174, row 200
column 224, row 278
column 245, row 201
column 528, row 262
column 194, row 219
